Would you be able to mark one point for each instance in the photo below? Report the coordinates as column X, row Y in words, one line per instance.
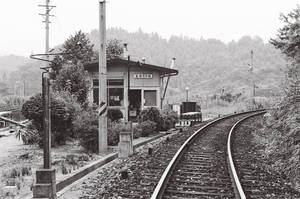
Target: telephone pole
column 253, row 78
column 102, row 109
column 46, row 90
column 45, row 186
column 47, row 16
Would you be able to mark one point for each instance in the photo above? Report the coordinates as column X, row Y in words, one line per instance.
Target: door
column 134, row 104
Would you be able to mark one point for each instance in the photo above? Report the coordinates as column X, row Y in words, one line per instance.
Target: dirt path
column 10, row 146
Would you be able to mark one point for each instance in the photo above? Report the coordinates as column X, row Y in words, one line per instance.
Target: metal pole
column 253, row 79
column 128, row 89
column 102, row 138
column 24, row 88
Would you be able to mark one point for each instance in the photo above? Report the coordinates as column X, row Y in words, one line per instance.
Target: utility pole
column 46, row 91
column 45, row 186
column 102, row 109
column 253, row 78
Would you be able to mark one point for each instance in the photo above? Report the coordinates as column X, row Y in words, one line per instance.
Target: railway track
column 200, row 167
column 191, row 164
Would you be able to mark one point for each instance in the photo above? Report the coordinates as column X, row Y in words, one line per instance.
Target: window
column 115, row 82
column 96, row 91
column 115, row 92
column 115, row 96
column 96, row 96
column 95, row 82
column 150, row 97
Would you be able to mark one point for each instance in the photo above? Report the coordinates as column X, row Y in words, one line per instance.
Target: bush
column 72, row 78
column 280, row 140
column 63, row 111
column 150, row 114
column 114, row 114
column 168, row 120
column 114, row 129
column 148, row 127
column 29, row 135
column 85, row 127
column 113, row 133
column 137, row 131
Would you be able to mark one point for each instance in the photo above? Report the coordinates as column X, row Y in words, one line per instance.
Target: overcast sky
column 23, row 32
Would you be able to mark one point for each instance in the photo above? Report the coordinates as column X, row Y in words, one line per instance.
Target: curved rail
column 238, row 189
column 161, row 185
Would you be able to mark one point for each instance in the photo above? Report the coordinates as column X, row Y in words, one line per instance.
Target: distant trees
column 4, row 90
column 27, row 77
column 206, row 64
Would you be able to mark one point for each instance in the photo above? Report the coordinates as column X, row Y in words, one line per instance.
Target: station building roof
column 93, row 66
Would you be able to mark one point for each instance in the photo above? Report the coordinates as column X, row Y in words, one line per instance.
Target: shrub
column 137, row 131
column 29, row 135
column 85, row 126
column 113, row 133
column 280, row 140
column 72, row 106
column 114, row 114
column 168, row 120
column 63, row 111
column 148, row 127
column 151, row 114
column 72, row 78
column 114, row 129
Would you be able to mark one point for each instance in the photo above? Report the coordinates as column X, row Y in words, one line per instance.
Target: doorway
column 134, row 104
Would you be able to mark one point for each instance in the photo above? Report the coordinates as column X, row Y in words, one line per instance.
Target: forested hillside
column 10, row 63
column 208, row 67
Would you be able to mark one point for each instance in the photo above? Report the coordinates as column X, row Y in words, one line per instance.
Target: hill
column 10, row 63
column 207, row 66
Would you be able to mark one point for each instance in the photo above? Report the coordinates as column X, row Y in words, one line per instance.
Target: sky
column 22, row 31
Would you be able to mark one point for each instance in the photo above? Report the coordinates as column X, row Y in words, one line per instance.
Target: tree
column 72, row 78
column 288, row 41
column 288, row 37
column 114, row 49
column 78, row 50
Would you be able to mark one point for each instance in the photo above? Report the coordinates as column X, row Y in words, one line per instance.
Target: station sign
column 142, row 76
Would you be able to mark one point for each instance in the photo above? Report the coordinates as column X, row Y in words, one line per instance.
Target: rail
column 238, row 189
column 161, row 185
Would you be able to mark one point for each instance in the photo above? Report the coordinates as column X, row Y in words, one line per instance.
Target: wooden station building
column 131, row 85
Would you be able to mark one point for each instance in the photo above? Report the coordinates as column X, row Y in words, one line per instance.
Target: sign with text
column 142, row 76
